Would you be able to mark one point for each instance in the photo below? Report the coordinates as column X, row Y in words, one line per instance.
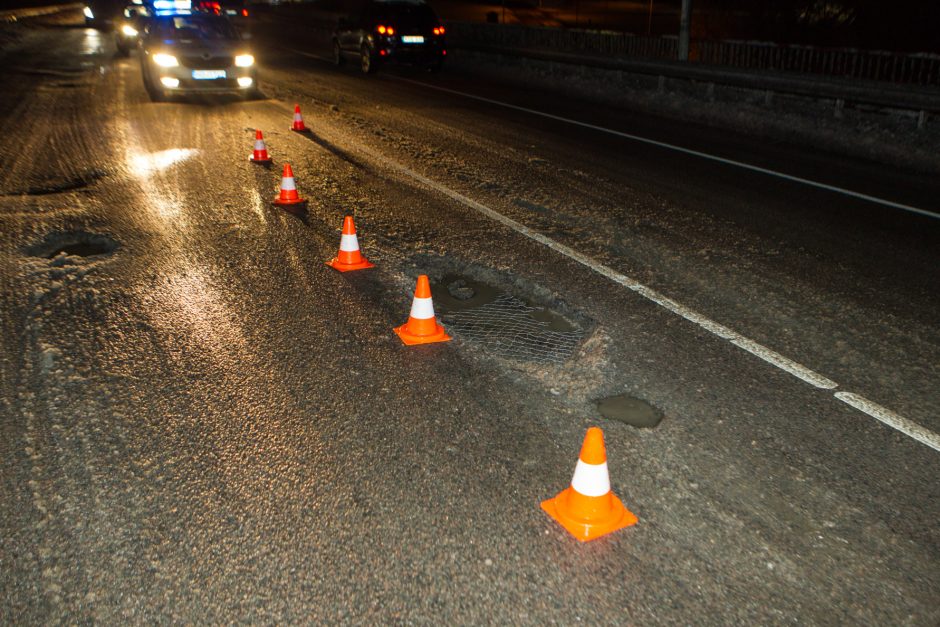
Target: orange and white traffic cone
column 260, row 154
column 349, row 257
column 587, row 508
column 422, row 327
column 288, row 194
column 298, row 124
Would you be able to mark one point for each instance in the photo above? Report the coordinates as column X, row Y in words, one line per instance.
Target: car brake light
column 439, row 30
column 244, row 12
column 385, row 30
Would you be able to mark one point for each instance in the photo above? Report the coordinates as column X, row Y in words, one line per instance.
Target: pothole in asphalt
column 502, row 323
column 76, row 243
column 57, row 186
column 629, row 410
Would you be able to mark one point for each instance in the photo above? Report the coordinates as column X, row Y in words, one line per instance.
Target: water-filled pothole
column 503, row 323
column 629, row 410
column 76, row 243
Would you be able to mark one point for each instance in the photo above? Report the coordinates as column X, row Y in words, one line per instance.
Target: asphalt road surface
column 203, row 423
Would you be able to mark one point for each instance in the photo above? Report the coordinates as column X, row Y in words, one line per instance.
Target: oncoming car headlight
column 88, row 13
column 244, row 60
column 129, row 30
column 165, row 60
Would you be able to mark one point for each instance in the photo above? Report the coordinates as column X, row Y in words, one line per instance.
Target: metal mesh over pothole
column 505, row 325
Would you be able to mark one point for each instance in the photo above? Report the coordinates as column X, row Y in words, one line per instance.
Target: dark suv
column 381, row 31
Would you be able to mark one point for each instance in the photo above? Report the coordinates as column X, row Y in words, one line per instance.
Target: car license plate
column 208, row 74
column 412, row 39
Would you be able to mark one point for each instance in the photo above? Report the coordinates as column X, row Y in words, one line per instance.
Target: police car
column 185, row 52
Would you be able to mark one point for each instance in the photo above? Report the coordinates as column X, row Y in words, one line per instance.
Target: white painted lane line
column 304, row 53
column 704, row 155
column 885, row 415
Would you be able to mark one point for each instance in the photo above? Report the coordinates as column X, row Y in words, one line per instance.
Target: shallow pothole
column 629, row 410
column 75, row 243
column 503, row 323
column 65, row 184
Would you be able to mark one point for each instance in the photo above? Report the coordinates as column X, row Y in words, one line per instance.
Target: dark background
column 895, row 25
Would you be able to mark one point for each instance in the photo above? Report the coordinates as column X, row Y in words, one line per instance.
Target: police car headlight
column 165, row 60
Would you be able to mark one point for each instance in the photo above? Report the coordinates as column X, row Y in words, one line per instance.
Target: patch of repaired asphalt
column 629, row 410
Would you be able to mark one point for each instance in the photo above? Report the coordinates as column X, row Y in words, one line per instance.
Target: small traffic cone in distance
column 288, row 194
column 298, row 124
column 587, row 508
column 260, row 154
column 422, row 327
column 349, row 257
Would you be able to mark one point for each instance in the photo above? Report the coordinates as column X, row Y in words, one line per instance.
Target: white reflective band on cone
column 349, row 243
column 259, row 144
column 422, row 308
column 288, row 183
column 590, row 479
column 297, row 117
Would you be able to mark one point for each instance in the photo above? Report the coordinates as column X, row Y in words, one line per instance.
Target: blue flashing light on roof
column 172, row 5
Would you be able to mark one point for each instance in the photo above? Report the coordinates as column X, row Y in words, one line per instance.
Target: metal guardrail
column 839, row 90
column 913, row 69
column 875, row 65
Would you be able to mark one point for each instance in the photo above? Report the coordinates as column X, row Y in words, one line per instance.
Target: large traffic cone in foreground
column 587, row 508
column 422, row 327
column 260, row 154
column 298, row 124
column 288, row 194
column 349, row 257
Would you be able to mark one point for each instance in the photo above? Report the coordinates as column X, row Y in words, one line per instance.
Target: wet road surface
column 202, row 422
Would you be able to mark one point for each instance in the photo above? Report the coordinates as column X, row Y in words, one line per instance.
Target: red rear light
column 244, row 12
column 381, row 29
column 382, row 53
column 391, row 31
column 439, row 30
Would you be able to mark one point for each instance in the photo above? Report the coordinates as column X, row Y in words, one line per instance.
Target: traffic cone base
column 617, row 516
column 261, row 161
column 336, row 264
column 436, row 334
column 288, row 203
